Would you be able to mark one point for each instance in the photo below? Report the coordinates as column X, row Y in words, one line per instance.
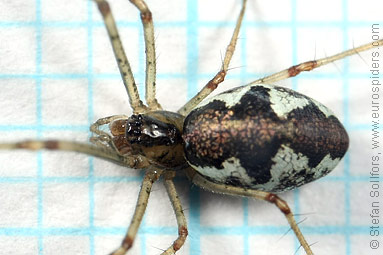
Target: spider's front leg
column 122, row 60
column 132, row 161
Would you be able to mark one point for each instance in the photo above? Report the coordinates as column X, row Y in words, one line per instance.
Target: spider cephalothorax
column 156, row 135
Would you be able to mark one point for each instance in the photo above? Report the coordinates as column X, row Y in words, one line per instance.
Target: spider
column 112, row 146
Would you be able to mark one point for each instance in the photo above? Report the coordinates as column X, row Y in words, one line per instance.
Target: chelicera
column 250, row 141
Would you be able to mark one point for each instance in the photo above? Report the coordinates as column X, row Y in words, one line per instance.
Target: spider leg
column 181, row 220
column 220, row 76
column 132, row 161
column 150, row 75
column 199, row 180
column 122, row 60
column 150, row 177
column 310, row 65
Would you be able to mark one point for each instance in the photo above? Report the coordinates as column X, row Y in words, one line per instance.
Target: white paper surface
column 58, row 75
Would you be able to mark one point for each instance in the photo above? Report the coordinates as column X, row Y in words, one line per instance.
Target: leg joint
column 280, row 203
column 182, row 234
column 104, row 8
column 146, row 16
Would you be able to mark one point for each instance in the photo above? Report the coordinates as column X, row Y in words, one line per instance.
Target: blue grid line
column 116, row 76
column 107, row 179
column 70, row 179
column 90, row 121
column 141, row 89
column 215, row 24
column 295, row 206
column 346, row 119
column 39, row 122
column 154, row 230
column 192, row 30
column 11, row 128
column 245, row 201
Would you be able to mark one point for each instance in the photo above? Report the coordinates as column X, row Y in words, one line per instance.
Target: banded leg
column 220, row 76
column 150, row 177
column 310, row 65
column 181, row 220
column 261, row 195
column 132, row 161
column 122, row 60
column 150, row 74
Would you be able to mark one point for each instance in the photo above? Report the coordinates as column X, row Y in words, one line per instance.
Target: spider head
column 147, row 131
column 155, row 135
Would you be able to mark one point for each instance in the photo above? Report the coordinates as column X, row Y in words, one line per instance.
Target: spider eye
column 154, row 131
column 148, row 131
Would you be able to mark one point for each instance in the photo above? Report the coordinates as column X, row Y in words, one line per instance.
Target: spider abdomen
column 263, row 137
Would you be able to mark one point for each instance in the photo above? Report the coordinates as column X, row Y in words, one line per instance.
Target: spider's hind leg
column 202, row 182
column 313, row 64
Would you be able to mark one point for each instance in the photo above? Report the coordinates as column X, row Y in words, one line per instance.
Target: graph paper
column 58, row 75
